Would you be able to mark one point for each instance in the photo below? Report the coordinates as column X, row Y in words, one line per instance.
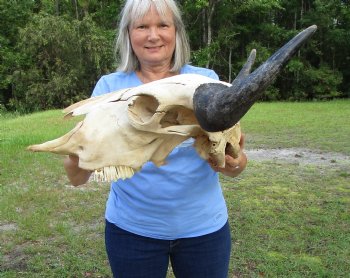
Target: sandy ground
column 300, row 156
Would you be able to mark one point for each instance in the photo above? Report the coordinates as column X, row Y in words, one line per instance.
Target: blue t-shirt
column 180, row 199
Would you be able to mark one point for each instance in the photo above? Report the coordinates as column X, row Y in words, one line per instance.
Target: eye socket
column 143, row 108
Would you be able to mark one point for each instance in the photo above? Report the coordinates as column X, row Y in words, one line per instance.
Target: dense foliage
column 53, row 52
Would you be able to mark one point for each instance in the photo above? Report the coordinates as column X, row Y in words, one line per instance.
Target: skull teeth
column 113, row 173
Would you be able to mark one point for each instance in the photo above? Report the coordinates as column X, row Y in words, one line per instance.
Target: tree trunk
column 57, row 7
column 210, row 13
column 230, row 66
column 301, row 13
column 75, row 4
column 204, row 28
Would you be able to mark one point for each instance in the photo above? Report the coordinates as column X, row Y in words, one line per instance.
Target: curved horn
column 246, row 68
column 218, row 107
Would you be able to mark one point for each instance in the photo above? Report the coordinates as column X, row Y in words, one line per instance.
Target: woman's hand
column 233, row 166
column 76, row 175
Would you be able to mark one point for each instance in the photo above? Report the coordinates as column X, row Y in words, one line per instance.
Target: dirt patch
column 15, row 260
column 300, row 156
column 5, row 227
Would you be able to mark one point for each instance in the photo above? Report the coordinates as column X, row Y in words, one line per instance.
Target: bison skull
column 125, row 129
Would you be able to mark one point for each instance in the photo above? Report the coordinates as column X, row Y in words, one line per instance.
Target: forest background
column 52, row 52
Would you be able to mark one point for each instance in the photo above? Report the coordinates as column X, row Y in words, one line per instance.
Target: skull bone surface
column 125, row 129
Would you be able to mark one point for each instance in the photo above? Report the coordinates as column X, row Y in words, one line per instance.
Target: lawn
column 287, row 219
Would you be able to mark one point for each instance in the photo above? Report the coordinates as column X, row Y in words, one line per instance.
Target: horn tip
column 313, row 26
column 312, row 29
column 252, row 54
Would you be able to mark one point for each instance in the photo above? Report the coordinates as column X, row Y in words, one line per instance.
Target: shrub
column 64, row 58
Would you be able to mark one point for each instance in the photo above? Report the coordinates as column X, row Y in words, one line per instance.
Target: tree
column 64, row 60
column 13, row 15
column 65, row 45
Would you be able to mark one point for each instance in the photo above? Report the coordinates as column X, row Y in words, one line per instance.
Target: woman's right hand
column 76, row 175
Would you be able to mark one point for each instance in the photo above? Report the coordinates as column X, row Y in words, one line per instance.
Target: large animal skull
column 125, row 129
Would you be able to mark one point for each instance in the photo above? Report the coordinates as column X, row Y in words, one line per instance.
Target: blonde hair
column 135, row 9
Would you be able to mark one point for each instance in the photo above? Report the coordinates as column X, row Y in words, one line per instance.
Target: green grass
column 287, row 220
column 315, row 125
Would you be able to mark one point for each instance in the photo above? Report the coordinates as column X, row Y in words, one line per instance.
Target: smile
column 153, row 47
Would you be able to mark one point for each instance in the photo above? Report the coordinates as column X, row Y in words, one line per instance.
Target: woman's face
column 153, row 38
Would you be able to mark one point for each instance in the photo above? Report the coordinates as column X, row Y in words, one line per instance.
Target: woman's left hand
column 233, row 166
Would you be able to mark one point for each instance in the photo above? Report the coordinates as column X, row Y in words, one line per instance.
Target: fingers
column 242, row 141
column 233, row 166
column 71, row 161
column 230, row 164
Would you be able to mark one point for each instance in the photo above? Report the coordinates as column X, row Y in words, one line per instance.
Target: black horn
column 218, row 107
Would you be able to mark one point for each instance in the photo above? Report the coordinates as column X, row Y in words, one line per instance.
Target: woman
column 176, row 211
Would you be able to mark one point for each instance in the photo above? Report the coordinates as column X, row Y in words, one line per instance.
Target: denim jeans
column 132, row 256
